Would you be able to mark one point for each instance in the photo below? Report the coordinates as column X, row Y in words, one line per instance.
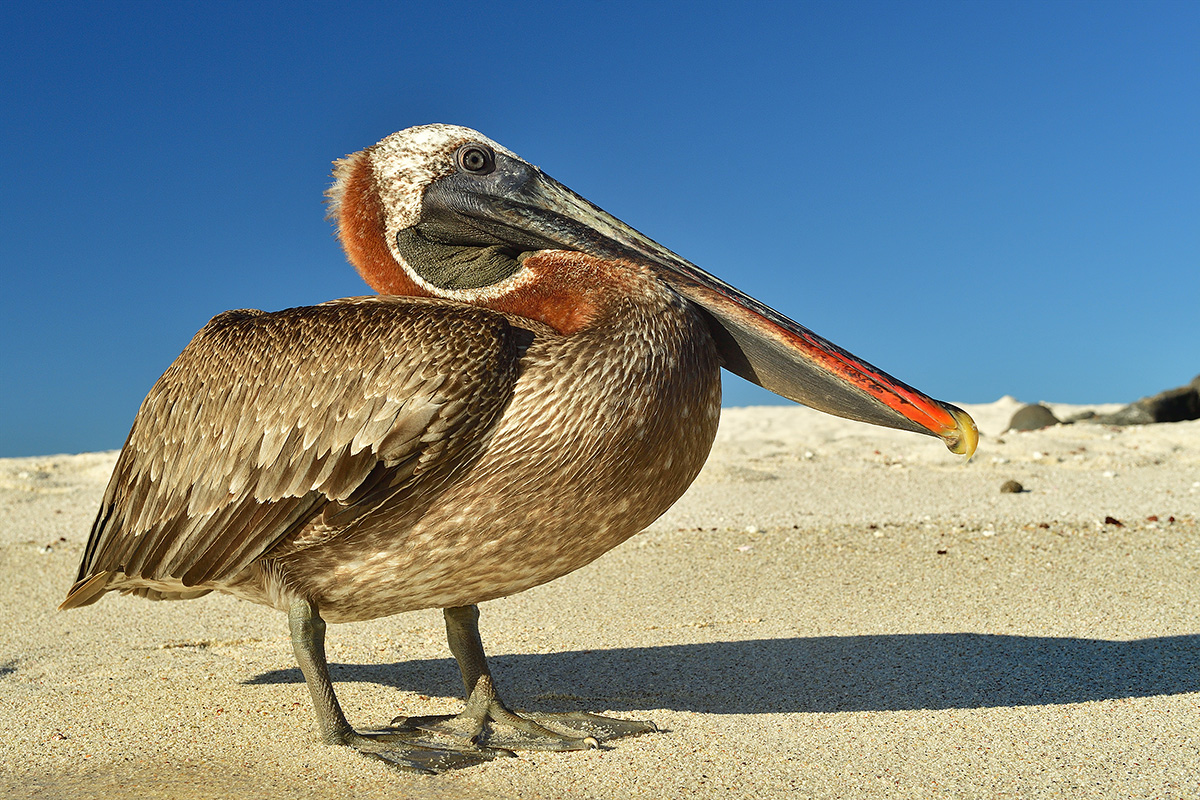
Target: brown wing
column 268, row 423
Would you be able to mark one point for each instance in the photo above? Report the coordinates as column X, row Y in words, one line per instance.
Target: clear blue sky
column 981, row 198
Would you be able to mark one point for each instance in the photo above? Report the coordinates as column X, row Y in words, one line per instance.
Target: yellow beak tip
column 965, row 437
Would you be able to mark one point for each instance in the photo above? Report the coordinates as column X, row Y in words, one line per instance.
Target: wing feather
column 275, row 431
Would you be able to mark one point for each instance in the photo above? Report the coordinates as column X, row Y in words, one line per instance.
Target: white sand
column 833, row 610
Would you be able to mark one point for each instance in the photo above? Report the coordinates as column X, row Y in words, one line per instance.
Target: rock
column 1132, row 414
column 1173, row 405
column 1032, row 418
column 1011, row 487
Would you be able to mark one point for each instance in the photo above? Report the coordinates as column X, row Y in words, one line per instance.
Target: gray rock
column 1173, row 405
column 1032, row 418
column 1132, row 414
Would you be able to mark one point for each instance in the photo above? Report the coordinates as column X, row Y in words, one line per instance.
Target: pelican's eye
column 476, row 159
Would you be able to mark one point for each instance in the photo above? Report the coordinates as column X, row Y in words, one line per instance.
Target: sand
column 833, row 610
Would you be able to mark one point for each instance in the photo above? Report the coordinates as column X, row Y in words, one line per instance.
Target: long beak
column 755, row 341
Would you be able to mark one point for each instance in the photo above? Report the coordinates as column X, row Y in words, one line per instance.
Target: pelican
column 534, row 383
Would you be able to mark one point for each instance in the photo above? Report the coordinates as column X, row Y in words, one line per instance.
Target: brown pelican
column 535, row 383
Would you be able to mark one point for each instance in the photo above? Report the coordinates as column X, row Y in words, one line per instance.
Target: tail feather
column 87, row 590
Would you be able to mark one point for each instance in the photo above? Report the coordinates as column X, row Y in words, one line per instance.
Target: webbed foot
column 487, row 722
column 401, row 750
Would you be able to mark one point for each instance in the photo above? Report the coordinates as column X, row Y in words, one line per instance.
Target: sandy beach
column 832, row 611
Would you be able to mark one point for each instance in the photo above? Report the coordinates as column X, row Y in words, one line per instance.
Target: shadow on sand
column 820, row 674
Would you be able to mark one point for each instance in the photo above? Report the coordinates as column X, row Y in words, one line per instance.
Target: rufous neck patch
column 568, row 290
column 362, row 231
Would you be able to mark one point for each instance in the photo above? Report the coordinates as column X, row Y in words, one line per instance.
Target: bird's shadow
column 817, row 674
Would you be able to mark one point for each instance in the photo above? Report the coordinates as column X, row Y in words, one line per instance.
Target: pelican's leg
column 308, row 642
column 487, row 721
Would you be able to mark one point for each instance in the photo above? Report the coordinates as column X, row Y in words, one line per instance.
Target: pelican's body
column 482, row 537
column 537, row 383
column 466, row 536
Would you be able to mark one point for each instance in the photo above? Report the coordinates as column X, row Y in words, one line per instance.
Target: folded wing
column 274, row 431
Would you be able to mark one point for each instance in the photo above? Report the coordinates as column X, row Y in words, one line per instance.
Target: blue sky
column 981, row 198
